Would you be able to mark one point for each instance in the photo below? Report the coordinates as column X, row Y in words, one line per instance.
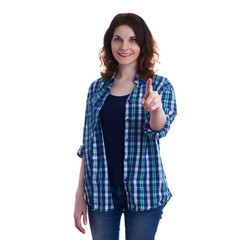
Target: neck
column 126, row 72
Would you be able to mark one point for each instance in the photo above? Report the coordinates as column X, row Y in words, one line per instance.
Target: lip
column 125, row 54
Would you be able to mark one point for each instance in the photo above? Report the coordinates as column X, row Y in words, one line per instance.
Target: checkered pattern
column 144, row 178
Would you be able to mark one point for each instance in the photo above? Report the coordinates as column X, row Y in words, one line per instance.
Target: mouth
column 125, row 54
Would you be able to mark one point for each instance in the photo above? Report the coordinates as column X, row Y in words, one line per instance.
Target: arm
column 152, row 103
column 157, row 120
column 80, row 203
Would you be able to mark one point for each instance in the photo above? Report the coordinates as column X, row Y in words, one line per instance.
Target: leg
column 104, row 225
column 142, row 225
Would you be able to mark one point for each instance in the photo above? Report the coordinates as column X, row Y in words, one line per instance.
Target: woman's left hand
column 152, row 100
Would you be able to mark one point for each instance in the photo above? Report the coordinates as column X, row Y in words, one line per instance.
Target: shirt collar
column 112, row 79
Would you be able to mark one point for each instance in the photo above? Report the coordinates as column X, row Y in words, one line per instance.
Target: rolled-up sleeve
column 86, row 130
column 170, row 109
column 80, row 151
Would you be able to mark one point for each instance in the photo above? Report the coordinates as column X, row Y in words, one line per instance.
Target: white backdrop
column 48, row 59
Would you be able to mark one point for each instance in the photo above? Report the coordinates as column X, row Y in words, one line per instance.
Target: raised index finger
column 149, row 86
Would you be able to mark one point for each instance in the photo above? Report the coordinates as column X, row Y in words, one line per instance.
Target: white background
column 49, row 57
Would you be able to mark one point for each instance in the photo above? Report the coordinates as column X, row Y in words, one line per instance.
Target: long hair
column 148, row 48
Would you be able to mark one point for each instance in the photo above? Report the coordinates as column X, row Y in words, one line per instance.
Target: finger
column 150, row 98
column 78, row 225
column 149, row 86
column 155, row 101
column 85, row 217
column 80, row 228
column 155, row 108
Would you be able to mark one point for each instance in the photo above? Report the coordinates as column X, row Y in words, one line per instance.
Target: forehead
column 124, row 31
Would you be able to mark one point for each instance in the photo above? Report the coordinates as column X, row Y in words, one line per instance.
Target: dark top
column 112, row 117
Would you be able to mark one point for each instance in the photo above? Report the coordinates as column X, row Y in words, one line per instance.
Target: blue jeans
column 141, row 225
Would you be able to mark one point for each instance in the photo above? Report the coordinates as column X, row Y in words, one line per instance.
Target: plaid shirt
column 144, row 178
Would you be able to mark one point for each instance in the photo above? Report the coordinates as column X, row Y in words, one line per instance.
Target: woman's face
column 125, row 48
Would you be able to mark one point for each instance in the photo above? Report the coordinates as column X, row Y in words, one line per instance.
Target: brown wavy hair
column 148, row 47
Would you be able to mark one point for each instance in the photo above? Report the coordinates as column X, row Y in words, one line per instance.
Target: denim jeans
column 140, row 225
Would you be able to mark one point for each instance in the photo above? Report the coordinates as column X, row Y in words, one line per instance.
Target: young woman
column 128, row 110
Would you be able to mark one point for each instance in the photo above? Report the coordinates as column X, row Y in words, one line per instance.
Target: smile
column 125, row 54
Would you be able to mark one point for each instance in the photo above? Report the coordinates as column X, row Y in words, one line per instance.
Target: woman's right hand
column 80, row 211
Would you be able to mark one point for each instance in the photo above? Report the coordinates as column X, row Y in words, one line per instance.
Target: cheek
column 114, row 46
column 114, row 50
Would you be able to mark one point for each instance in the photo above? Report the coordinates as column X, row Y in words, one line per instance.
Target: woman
column 128, row 110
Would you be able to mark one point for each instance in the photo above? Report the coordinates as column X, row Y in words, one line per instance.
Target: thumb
column 85, row 218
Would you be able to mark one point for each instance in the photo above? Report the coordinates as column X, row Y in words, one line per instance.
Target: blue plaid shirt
column 144, row 178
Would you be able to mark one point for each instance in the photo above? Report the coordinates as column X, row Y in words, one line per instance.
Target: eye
column 133, row 40
column 117, row 39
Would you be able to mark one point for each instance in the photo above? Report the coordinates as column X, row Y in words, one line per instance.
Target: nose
column 124, row 46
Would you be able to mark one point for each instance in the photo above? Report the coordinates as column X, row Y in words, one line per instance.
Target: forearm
column 157, row 120
column 80, row 188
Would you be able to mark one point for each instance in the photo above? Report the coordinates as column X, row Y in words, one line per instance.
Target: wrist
column 79, row 194
column 157, row 111
column 80, row 189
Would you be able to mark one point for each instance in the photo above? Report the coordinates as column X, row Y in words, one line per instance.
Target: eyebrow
column 121, row 38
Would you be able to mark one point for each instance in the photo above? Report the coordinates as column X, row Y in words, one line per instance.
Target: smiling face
column 125, row 48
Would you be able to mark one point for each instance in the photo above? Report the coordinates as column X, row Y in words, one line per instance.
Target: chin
column 126, row 62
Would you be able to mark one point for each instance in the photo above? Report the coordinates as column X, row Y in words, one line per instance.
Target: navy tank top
column 112, row 117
